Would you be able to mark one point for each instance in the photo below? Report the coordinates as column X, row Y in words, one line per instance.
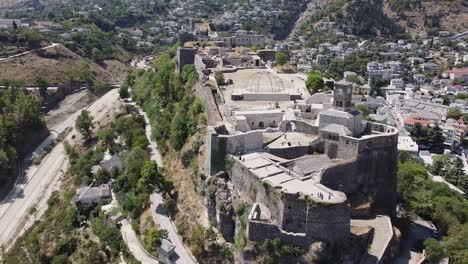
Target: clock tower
column 343, row 95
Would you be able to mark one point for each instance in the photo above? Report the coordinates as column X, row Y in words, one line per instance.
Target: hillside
column 364, row 18
column 385, row 18
column 15, row 4
column 428, row 15
column 55, row 64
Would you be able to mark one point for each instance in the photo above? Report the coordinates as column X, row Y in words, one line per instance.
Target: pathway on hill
column 160, row 216
column 29, row 51
column 130, row 238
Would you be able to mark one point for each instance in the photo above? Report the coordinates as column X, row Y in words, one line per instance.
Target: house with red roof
column 411, row 121
column 459, row 74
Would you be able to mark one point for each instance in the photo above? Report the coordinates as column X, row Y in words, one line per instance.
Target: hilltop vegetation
column 20, row 115
column 448, row 210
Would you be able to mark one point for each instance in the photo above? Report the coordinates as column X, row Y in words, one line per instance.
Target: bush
column 219, row 77
column 314, row 82
column 60, row 259
column 123, row 92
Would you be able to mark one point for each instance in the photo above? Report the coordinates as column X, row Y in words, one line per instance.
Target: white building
column 449, row 134
column 398, row 83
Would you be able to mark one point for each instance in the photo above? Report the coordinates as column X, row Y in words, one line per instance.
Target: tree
column 458, row 169
column 419, row 134
column 123, row 92
column 106, row 136
column 446, row 100
column 281, row 58
column 454, row 112
column 154, row 237
column 210, row 235
column 364, row 110
column 32, row 37
column 314, row 82
column 180, row 130
column 42, row 84
column 435, row 138
column 219, row 77
column 170, row 205
column 150, row 177
column 354, row 78
column 434, row 251
column 100, row 88
column 376, row 85
column 439, row 163
column 84, row 124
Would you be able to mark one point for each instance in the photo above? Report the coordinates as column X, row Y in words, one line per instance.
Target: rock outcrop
column 219, row 204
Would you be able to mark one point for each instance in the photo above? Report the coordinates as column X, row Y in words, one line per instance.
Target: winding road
column 160, row 216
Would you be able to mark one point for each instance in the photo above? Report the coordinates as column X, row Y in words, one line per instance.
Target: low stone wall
column 266, row 97
column 260, row 231
column 301, row 127
column 290, row 152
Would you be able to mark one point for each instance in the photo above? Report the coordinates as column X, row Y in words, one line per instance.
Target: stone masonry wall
column 218, row 146
column 374, row 171
column 291, row 212
column 301, row 126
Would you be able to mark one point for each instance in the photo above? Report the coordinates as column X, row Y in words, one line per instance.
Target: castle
column 307, row 167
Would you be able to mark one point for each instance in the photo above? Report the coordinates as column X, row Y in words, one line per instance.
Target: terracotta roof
column 464, row 70
column 415, row 120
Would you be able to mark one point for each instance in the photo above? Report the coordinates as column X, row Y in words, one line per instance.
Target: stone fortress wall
column 294, row 217
column 358, row 163
column 362, row 171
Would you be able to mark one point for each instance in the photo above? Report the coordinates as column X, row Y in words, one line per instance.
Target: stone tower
column 343, row 95
column 185, row 56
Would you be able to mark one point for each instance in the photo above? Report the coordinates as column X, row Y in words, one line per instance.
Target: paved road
column 161, row 217
column 133, row 244
column 39, row 181
column 155, row 155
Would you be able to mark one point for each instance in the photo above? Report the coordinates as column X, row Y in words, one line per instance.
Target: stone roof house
column 89, row 196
